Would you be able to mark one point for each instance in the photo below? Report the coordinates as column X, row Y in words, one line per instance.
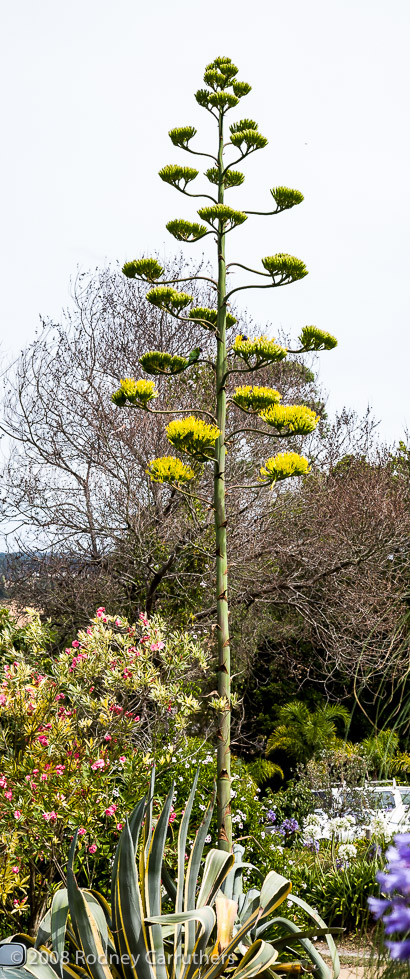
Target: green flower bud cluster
column 297, row 419
column 168, row 299
column 219, row 100
column 255, row 398
column 173, row 174
column 247, row 140
column 223, row 213
column 169, row 469
column 158, row 362
column 286, row 266
column 224, row 67
column 285, row 197
column 186, row 230
column 143, row 268
column 241, row 88
column 194, row 436
column 312, row 338
column 136, row 392
column 284, row 465
column 238, row 127
column 232, row 178
column 259, row 351
column 181, row 137
column 204, row 316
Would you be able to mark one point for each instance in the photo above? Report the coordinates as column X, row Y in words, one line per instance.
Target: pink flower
column 81, row 831
column 136, row 719
column 43, row 740
column 118, row 622
column 43, row 778
column 172, row 816
column 17, row 814
column 35, row 771
column 60, row 769
column 8, row 794
column 89, row 631
column 50, row 817
column 92, row 848
column 60, row 696
column 3, row 782
column 3, row 699
column 98, row 764
column 75, row 643
column 122, row 759
column 143, row 619
column 107, row 737
column 119, row 826
column 111, row 810
column 16, row 870
column 157, row 645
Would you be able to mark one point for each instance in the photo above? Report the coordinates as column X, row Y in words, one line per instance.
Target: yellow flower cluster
column 255, row 398
column 136, row 392
column 295, row 418
column 312, row 338
column 284, row 465
column 192, row 435
column 169, row 469
column 263, row 350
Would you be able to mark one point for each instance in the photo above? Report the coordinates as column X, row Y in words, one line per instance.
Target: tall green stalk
column 201, row 441
column 224, row 653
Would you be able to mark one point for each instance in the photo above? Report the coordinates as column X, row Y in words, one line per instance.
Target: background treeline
column 319, row 570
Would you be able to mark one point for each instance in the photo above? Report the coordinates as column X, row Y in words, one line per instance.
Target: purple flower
column 394, row 910
column 312, row 845
column 271, row 815
column 399, row 950
column 290, row 826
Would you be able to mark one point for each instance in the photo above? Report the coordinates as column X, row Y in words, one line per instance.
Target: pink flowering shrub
column 76, row 742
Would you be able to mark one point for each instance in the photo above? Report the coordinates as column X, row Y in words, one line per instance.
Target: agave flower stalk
column 192, row 436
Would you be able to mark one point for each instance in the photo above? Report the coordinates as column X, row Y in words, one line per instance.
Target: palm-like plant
column 214, row 928
column 302, row 734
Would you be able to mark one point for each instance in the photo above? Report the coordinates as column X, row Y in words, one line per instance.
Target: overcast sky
column 90, row 90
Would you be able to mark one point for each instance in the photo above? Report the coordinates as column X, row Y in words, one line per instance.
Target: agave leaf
column 36, row 966
column 295, row 899
column 127, row 913
column 169, row 883
column 104, row 904
column 134, row 827
column 258, row 957
column 218, row 863
column 228, row 885
column 44, row 929
column 206, row 921
column 148, row 815
column 275, row 889
column 154, row 859
column 58, row 924
column 194, row 863
column 182, row 838
column 88, row 930
column 250, row 904
column 300, row 937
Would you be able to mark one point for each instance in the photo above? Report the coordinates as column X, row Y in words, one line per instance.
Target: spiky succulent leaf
column 286, row 268
column 168, row 299
column 232, row 178
column 130, row 933
column 161, row 362
column 136, row 392
column 169, row 469
column 312, row 338
column 255, row 398
column 248, row 139
column 144, row 268
column 182, row 136
column 175, row 175
column 285, row 197
column 239, row 127
column 258, row 351
column 296, row 419
column 222, row 213
column 192, row 435
column 203, row 315
column 87, row 930
column 283, row 466
column 186, row 230
column 241, row 88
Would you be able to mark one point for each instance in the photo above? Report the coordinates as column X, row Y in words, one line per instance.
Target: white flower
column 347, row 851
column 208, row 838
column 263, row 835
column 201, row 806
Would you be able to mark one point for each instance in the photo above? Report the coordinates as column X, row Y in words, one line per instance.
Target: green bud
column 181, row 137
column 238, row 127
column 286, row 267
column 174, row 175
column 144, row 268
column 312, row 338
column 224, row 214
column 119, row 398
column 232, row 178
column 203, row 315
column 241, row 88
column 186, row 230
column 286, row 198
column 158, row 362
column 167, row 298
column 223, row 100
column 250, row 139
column 214, row 78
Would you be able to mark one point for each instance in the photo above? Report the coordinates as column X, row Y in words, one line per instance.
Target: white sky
column 90, row 90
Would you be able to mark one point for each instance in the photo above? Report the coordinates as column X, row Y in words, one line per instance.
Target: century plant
column 210, row 928
column 207, row 441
